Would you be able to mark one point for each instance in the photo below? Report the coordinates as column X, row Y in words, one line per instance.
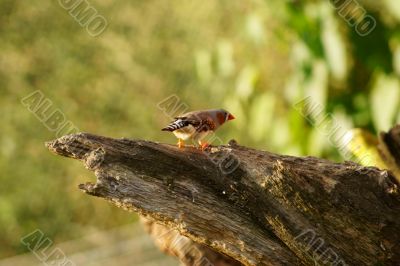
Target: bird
column 196, row 125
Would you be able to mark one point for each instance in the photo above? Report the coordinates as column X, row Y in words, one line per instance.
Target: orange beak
column 231, row 117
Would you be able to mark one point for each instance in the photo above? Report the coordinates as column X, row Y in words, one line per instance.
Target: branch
column 256, row 207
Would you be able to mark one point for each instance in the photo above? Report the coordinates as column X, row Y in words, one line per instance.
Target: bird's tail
column 177, row 124
column 168, row 128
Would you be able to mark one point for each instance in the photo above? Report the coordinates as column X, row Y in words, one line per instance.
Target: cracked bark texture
column 235, row 205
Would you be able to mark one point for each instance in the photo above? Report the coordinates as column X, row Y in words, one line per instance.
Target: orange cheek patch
column 221, row 118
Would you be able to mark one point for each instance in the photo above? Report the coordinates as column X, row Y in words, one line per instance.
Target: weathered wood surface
column 256, row 207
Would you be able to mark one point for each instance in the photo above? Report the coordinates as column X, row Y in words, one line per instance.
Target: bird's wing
column 205, row 125
column 181, row 122
column 201, row 120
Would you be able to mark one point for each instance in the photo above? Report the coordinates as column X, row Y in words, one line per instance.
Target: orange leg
column 181, row 144
column 203, row 145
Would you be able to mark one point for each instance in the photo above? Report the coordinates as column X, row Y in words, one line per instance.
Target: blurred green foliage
column 256, row 58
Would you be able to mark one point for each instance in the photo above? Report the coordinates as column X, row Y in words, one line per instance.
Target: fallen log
column 241, row 206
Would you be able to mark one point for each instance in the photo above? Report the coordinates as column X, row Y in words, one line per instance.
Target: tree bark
column 234, row 205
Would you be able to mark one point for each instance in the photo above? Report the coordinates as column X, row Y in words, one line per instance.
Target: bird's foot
column 203, row 145
column 181, row 144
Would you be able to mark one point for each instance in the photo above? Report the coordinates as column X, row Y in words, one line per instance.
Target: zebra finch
column 197, row 125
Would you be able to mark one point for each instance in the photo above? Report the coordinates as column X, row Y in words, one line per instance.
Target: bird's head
column 223, row 116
